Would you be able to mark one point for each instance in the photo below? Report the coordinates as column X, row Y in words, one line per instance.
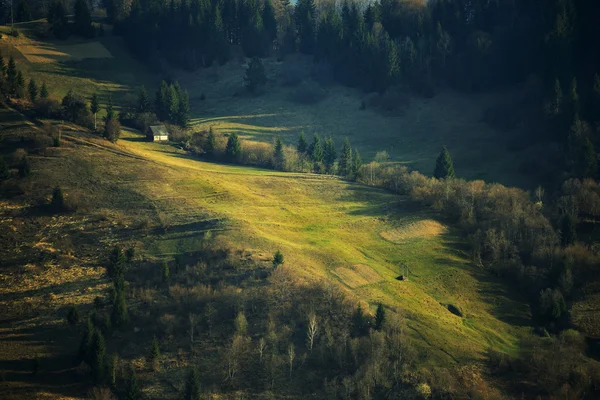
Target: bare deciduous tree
column 313, row 331
column 261, row 347
column 291, row 356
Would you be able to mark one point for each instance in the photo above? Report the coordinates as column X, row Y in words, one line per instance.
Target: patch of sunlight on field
column 50, row 53
column 331, row 229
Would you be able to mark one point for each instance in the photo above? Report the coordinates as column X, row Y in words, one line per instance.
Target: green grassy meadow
column 328, row 229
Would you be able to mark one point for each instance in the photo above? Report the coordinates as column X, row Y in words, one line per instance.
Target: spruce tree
column 116, row 262
column 57, row 18
column 95, row 108
column 255, row 75
column 345, row 162
column 20, row 92
column 98, row 357
column 119, row 316
column 172, row 104
column 4, row 171
column 302, row 147
column 233, row 151
column 278, row 259
column 568, row 231
column 44, row 91
column 329, row 155
column 316, row 149
column 575, row 109
column 192, row 385
column 379, row 317
column 444, row 168
column 112, row 369
column 24, row 167
column 160, row 101
column 269, row 21
column 356, row 164
column 154, row 352
column 110, row 113
column 2, row 73
column 183, row 112
column 33, row 90
column 143, row 101
column 304, row 16
column 211, row 143
column 87, row 338
column 132, row 390
column 83, row 19
column 279, row 155
column 58, row 200
column 11, row 77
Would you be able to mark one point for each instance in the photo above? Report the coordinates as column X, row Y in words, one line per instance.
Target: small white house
column 159, row 133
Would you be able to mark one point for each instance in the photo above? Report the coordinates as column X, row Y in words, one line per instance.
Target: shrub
column 75, row 108
column 47, row 108
column 177, row 134
column 73, row 315
column 58, row 200
column 112, row 130
column 255, row 75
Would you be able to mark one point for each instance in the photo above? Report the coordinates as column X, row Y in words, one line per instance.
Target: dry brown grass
column 357, row 275
column 415, row 230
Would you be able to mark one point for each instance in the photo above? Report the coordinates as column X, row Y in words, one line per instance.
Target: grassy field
column 328, row 229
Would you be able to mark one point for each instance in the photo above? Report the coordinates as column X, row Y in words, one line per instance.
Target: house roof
column 159, row 130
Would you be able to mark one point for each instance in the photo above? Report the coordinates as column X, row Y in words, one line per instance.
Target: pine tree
column 255, row 75
column 211, row 143
column 183, row 112
column 154, row 352
column 57, row 18
column 11, row 77
column 279, row 155
column 316, row 149
column 132, row 390
column 33, row 90
column 143, row 101
column 444, row 168
column 110, row 114
column 192, row 385
column 233, row 151
column 356, row 164
column 119, row 316
column 44, row 91
column 83, row 19
column 98, row 357
column 345, row 163
column 329, row 155
column 278, row 259
column 95, row 108
column 58, row 200
column 379, row 317
column 20, row 85
column 302, row 147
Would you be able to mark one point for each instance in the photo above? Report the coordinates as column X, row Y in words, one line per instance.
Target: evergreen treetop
column 444, row 168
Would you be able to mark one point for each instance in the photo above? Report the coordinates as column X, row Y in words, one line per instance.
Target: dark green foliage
column 112, row 130
column 4, row 171
column 20, row 85
column 269, row 21
column 73, row 315
column 444, row 169
column 192, row 385
column 233, row 151
column 356, row 164
column 154, row 353
column 360, row 322
column 11, row 77
column 165, row 272
column 279, row 155
column 588, row 160
column 82, row 24
column 57, row 18
column 305, row 18
column 329, row 154
column 568, row 230
column 110, row 113
column 183, row 110
column 44, row 91
column 129, row 255
column 116, row 262
column 74, row 107
column 179, row 263
column 211, row 143
column 345, row 163
column 552, row 304
column 379, row 317
column 143, row 101
column 86, row 341
column 32, row 90
column 24, row 167
column 23, row 12
column 95, row 107
column 119, row 316
column 132, row 390
column 278, row 259
column 112, row 368
column 98, row 357
column 58, row 200
column 315, row 150
column 255, row 75
column 302, row 147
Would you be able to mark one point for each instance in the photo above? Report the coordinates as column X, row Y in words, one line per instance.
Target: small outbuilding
column 159, row 133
